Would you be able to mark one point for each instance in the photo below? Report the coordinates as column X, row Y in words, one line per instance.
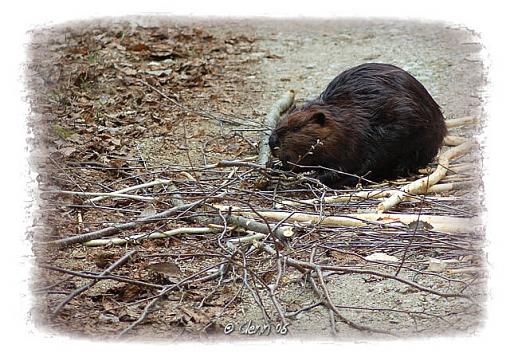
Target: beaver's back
column 372, row 85
column 407, row 126
column 373, row 119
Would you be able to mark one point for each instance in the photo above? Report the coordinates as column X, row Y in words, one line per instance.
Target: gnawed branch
column 453, row 123
column 272, row 118
column 443, row 224
column 422, row 185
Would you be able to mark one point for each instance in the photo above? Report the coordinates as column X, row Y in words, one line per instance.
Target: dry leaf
column 382, row 257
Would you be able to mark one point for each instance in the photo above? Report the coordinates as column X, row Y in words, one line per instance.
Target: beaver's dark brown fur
column 374, row 120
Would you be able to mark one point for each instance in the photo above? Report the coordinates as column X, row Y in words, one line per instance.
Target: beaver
column 373, row 121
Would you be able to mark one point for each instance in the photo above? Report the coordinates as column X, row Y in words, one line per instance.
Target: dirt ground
column 103, row 96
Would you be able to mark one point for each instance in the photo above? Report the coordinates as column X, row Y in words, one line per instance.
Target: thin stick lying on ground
column 421, row 186
column 364, row 195
column 143, row 236
column 104, row 195
column 169, row 288
column 93, row 282
column 453, row 140
column 340, row 198
column 247, row 239
column 282, row 233
column 101, row 276
column 270, row 122
column 452, row 123
column 303, row 265
column 322, row 292
column 109, row 231
column 133, row 188
column 443, row 224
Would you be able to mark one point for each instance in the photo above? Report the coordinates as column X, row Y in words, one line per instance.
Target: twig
column 154, row 235
column 445, row 224
column 168, row 289
column 133, row 188
column 422, row 185
column 272, row 118
column 85, row 287
column 453, row 140
column 96, row 276
column 452, row 123
column 109, row 231
column 309, row 266
column 104, row 195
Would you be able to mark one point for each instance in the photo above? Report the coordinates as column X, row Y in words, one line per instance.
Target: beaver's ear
column 319, row 118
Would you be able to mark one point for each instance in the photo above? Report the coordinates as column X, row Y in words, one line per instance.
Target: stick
column 445, row 224
column 301, row 265
column 340, row 198
column 422, row 185
column 133, row 188
column 93, row 282
column 270, row 122
column 142, row 236
column 454, row 140
column 365, row 195
column 109, row 231
column 452, row 123
column 282, row 233
column 103, row 195
column 253, row 237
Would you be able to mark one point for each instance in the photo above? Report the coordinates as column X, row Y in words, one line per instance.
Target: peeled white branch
column 445, row 224
column 131, row 188
column 364, row 195
column 422, row 185
column 452, row 123
column 248, row 239
column 341, row 198
column 454, row 140
column 270, row 122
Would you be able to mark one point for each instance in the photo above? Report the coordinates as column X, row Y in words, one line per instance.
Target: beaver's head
column 302, row 138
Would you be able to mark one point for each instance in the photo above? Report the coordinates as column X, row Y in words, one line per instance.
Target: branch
column 133, row 188
column 365, row 195
column 422, row 185
column 300, row 265
column 109, row 231
column 270, row 122
column 142, row 236
column 103, row 195
column 93, row 282
column 282, row 233
column 445, row 224
column 452, row 123
column 453, row 140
